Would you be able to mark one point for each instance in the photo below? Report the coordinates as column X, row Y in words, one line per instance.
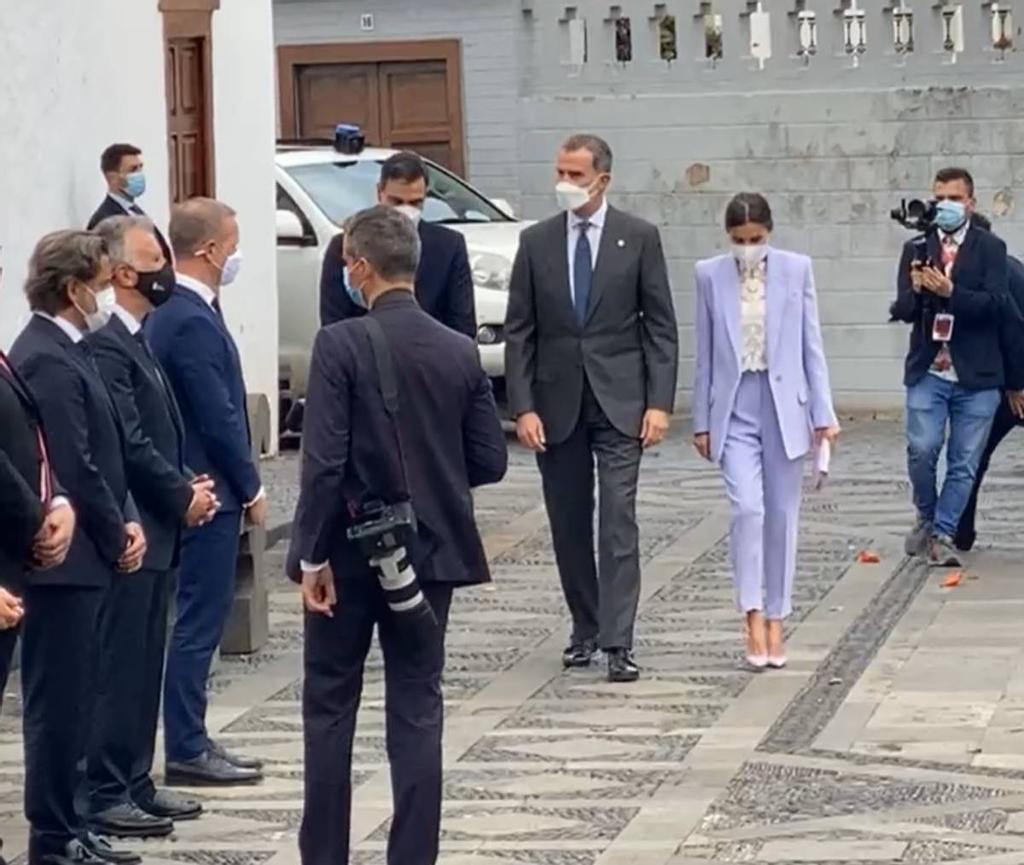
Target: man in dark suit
column 954, row 373
column 442, row 439
column 1010, row 413
column 124, row 172
column 69, row 275
column 590, row 366
column 37, row 524
column 192, row 342
column 444, row 283
column 122, row 798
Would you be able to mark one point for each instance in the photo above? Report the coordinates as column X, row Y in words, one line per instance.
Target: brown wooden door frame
column 192, row 19
column 290, row 58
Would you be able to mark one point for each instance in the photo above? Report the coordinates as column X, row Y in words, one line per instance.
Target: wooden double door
column 403, row 95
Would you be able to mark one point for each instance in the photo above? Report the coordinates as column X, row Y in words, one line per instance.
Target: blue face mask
column 135, row 184
column 354, row 294
column 950, row 216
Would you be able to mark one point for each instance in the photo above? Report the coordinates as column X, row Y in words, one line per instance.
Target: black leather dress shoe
column 101, row 849
column 166, row 803
column 578, row 655
column 621, row 666
column 209, row 770
column 234, row 759
column 130, row 821
column 76, row 853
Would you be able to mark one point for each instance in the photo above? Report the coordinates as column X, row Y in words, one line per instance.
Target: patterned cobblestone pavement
column 896, row 735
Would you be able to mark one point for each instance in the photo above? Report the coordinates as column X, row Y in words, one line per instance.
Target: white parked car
column 318, row 188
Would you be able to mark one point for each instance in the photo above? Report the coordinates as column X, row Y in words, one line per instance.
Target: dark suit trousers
column 335, row 650
column 1003, row 422
column 133, row 636
column 58, row 657
column 206, row 589
column 602, row 596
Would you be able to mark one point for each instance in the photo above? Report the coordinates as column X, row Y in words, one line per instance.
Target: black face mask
column 156, row 286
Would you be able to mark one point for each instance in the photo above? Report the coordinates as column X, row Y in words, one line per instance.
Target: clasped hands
column 931, row 279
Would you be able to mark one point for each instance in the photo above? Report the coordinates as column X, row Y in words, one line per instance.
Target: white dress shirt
column 955, row 241
column 200, row 288
column 127, row 319
column 753, row 358
column 73, row 333
column 593, row 235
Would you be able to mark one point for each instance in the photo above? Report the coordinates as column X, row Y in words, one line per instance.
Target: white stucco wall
column 66, row 92
column 63, row 98
column 245, row 129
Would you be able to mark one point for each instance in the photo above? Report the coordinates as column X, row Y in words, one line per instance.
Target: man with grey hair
column 196, row 350
column 400, row 419
column 122, row 799
column 590, row 364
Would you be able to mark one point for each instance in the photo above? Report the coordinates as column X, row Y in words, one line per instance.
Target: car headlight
column 490, row 270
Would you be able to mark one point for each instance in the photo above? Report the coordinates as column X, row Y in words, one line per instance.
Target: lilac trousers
column 764, row 490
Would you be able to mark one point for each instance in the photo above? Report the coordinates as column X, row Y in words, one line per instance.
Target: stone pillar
column 248, row 625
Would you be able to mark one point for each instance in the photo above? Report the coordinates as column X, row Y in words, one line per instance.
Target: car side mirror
column 289, row 229
column 504, row 207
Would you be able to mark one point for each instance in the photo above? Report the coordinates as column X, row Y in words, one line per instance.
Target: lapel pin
column 621, row 244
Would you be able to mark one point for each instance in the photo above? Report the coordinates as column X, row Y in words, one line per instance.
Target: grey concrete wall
column 488, row 31
column 835, row 142
column 834, row 145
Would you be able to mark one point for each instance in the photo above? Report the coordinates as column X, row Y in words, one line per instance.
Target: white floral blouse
column 752, row 313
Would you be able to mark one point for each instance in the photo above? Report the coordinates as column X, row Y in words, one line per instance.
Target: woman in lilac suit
column 761, row 399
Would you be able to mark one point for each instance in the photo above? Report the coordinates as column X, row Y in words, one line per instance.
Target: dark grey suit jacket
column 628, row 346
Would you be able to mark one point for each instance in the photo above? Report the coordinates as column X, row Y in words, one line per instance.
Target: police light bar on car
column 349, row 139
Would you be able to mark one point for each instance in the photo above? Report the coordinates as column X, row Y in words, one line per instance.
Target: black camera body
column 380, row 529
column 916, row 215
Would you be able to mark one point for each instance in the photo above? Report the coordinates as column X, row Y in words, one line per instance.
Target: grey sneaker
column 918, row 538
column 943, row 553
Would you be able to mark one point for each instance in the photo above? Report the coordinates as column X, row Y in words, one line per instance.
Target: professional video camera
column 916, row 215
column 383, row 533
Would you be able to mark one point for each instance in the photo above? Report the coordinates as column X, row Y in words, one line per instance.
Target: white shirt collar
column 197, row 287
column 73, row 333
column 127, row 319
column 596, row 220
column 126, row 204
column 959, row 235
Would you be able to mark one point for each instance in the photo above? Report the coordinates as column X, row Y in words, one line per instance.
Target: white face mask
column 749, row 255
column 414, row 213
column 570, row 196
column 105, row 301
column 232, row 264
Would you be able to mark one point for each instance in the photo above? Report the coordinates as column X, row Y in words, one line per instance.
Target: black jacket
column 154, row 438
column 110, row 207
column 451, row 439
column 980, row 294
column 21, row 504
column 444, row 284
column 86, row 447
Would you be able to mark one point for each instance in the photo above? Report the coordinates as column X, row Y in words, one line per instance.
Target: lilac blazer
column 797, row 371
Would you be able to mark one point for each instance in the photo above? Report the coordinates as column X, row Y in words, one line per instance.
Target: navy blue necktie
column 583, row 273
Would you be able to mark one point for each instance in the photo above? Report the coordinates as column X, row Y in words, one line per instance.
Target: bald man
column 198, row 353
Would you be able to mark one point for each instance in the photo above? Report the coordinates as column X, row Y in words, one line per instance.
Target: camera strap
column 384, row 361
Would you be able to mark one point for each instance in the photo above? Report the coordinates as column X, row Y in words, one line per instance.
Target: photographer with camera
column 400, row 424
column 952, row 287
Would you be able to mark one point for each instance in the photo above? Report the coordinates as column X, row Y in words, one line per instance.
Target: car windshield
column 341, row 189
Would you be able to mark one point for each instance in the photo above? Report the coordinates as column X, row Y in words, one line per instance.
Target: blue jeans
column 930, row 404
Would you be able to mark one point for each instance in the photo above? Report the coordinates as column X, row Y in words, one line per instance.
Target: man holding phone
column 952, row 287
